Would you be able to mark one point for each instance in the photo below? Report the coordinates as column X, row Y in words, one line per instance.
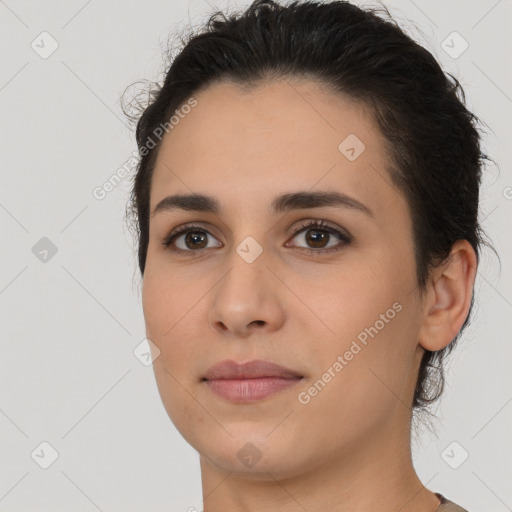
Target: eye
column 319, row 235
column 194, row 238
column 188, row 238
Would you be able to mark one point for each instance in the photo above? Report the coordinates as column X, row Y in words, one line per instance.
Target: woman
column 306, row 204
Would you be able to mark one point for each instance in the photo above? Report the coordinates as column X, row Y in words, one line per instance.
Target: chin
column 253, row 452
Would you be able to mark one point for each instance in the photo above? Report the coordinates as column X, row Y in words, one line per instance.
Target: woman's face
column 249, row 282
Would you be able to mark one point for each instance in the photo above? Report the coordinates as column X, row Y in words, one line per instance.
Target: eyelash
column 305, row 226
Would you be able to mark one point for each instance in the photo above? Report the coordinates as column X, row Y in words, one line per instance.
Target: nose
column 247, row 299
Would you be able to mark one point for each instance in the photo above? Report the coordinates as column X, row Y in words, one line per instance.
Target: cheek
column 349, row 300
column 171, row 311
column 164, row 299
column 372, row 326
column 361, row 375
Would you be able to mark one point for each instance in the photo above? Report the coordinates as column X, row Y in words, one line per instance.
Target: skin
column 348, row 449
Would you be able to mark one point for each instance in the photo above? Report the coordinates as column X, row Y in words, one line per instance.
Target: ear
column 448, row 297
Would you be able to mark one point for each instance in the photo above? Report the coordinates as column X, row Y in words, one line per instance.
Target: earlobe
column 448, row 297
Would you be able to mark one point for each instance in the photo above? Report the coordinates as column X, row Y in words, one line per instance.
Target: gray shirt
column 448, row 506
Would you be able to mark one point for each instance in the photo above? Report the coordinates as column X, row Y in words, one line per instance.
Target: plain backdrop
column 74, row 396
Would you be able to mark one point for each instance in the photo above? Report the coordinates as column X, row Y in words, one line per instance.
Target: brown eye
column 317, row 236
column 189, row 239
column 195, row 240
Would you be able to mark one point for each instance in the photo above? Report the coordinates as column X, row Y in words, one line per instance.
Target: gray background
column 69, row 325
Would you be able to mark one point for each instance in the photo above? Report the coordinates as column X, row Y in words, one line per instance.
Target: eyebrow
column 283, row 203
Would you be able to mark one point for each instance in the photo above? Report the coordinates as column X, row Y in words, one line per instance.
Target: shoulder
column 448, row 506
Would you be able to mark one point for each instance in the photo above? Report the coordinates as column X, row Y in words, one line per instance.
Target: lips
column 252, row 381
column 228, row 369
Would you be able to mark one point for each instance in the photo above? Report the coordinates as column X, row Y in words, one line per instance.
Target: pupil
column 320, row 237
column 194, row 236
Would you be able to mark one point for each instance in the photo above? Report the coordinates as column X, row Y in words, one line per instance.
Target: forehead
column 247, row 145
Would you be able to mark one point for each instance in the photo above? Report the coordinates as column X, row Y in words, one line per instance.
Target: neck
column 376, row 473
